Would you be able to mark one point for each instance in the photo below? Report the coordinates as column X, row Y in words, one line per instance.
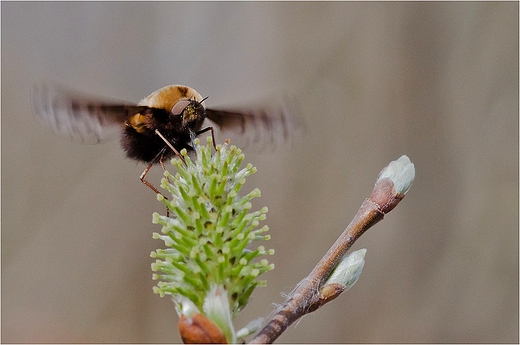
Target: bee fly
column 156, row 128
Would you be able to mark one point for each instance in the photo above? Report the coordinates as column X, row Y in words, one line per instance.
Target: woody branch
column 316, row 290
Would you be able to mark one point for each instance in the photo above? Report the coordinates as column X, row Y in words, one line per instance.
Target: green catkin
column 208, row 232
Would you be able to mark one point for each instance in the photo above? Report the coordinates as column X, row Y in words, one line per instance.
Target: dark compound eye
column 179, row 107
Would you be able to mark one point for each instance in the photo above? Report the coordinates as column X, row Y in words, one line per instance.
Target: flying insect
column 159, row 126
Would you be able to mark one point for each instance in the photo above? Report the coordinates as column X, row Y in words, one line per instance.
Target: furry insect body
column 178, row 125
column 158, row 127
column 139, row 138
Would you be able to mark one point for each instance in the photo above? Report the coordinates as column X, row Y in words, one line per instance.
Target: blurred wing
column 79, row 117
column 264, row 124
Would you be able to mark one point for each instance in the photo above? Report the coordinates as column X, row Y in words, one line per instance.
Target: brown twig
column 310, row 293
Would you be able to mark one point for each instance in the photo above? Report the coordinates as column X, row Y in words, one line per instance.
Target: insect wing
column 260, row 125
column 79, row 117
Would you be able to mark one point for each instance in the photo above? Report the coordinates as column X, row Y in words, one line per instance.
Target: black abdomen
column 146, row 146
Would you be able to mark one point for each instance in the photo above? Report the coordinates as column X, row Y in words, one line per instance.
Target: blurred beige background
column 435, row 81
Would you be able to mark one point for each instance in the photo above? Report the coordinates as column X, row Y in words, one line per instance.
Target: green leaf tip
column 209, row 232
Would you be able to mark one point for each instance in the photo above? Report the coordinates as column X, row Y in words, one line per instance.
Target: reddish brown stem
column 307, row 296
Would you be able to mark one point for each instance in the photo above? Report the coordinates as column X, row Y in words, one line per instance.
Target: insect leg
column 161, row 162
column 170, row 146
column 147, row 169
column 212, row 135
